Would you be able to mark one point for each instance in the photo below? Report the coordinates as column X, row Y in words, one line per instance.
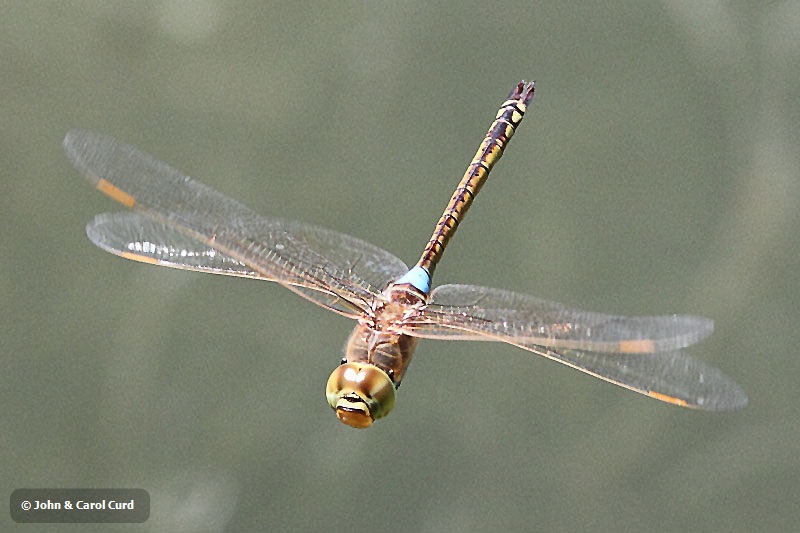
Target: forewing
column 639, row 353
column 674, row 377
column 137, row 237
column 187, row 215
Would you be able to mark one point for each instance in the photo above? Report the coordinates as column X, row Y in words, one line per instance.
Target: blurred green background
column 657, row 172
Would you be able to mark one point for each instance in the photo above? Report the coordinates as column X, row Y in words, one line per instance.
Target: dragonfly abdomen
column 489, row 152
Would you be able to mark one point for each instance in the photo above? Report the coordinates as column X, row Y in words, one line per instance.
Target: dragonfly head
column 360, row 393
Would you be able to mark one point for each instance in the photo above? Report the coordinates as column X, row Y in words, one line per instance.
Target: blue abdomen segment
column 418, row 277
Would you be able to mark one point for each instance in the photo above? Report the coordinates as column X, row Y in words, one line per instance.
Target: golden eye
column 360, row 393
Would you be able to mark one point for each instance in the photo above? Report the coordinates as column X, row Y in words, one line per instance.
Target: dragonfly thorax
column 394, row 308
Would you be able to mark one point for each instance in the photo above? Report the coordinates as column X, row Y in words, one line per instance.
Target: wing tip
column 732, row 398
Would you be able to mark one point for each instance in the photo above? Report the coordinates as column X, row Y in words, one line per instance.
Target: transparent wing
column 674, row 377
column 639, row 353
column 471, row 312
column 178, row 222
column 135, row 236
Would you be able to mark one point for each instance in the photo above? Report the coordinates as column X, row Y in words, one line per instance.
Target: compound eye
column 360, row 393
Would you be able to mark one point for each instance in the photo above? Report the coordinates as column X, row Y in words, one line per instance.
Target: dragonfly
column 177, row 222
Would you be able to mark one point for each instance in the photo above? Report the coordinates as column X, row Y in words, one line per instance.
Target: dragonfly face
column 180, row 223
column 360, row 393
